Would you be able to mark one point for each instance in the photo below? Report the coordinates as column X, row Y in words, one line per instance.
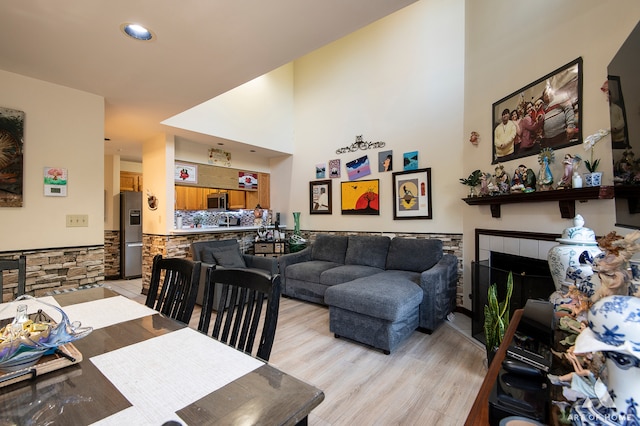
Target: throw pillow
column 228, row 257
column 206, row 256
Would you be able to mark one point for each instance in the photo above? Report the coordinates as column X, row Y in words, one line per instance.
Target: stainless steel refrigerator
column 130, row 234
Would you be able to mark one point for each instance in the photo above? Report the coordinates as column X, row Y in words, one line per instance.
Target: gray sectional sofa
column 378, row 289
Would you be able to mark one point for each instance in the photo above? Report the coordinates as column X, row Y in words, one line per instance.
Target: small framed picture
column 412, row 194
column 385, row 161
column 55, row 182
column 410, row 160
column 358, row 168
column 187, row 173
column 320, row 197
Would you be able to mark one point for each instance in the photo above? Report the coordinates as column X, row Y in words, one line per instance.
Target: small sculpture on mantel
column 545, row 178
column 502, row 180
column 570, row 163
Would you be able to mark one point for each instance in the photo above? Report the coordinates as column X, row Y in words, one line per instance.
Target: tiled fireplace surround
column 526, row 244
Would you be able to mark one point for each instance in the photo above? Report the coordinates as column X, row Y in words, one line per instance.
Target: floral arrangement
column 588, row 144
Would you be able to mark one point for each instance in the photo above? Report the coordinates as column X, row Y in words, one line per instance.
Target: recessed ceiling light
column 252, row 150
column 220, row 143
column 137, row 32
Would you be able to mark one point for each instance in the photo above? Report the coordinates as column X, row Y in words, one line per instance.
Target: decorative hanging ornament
column 475, row 138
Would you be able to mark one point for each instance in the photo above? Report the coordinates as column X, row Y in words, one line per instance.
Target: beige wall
column 259, row 112
column 63, row 128
column 400, row 81
column 509, row 45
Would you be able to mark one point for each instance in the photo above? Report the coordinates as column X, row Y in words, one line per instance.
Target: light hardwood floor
column 429, row 380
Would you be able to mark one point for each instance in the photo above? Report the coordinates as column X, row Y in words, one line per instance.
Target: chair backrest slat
column 243, row 298
column 176, row 297
column 19, row 265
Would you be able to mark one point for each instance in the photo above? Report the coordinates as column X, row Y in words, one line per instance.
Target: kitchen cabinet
column 190, row 198
column 236, row 199
column 130, row 181
column 263, row 195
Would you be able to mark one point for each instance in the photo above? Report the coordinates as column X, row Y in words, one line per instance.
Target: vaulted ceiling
column 203, row 48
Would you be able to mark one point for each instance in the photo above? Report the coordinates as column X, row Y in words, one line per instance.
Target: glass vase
column 296, row 223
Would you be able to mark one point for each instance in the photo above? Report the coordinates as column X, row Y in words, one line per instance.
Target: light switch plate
column 77, row 220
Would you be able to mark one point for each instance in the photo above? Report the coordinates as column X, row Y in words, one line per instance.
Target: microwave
column 217, row 201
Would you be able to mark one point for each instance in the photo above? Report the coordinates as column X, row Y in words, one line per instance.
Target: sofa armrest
column 439, row 285
column 269, row 264
column 285, row 260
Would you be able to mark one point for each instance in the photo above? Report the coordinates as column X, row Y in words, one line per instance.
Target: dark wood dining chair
column 173, row 287
column 245, row 294
column 19, row 265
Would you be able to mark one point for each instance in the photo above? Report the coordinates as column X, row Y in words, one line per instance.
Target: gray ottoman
column 373, row 311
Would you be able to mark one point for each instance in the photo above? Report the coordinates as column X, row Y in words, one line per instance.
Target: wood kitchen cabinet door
column 263, row 195
column 237, row 199
column 130, row 181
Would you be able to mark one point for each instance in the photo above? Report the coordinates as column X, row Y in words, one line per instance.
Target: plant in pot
column 593, row 178
column 472, row 181
column 496, row 317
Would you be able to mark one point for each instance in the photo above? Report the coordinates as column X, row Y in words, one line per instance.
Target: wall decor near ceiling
column 320, row 197
column 334, row 168
column 360, row 144
column 55, row 182
column 410, row 160
column 321, row 170
column 412, row 194
column 385, row 161
column 358, row 168
column 360, row 197
column 11, row 157
column 543, row 114
column 219, row 157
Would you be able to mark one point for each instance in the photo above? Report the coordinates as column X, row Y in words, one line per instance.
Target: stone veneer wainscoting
column 57, row 269
column 178, row 246
column 112, row 254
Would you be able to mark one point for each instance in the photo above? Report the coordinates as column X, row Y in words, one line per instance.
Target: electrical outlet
column 77, row 220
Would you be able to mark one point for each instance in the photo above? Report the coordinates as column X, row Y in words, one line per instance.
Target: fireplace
column 498, row 253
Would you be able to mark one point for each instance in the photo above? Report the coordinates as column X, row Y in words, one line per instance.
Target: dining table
column 139, row 367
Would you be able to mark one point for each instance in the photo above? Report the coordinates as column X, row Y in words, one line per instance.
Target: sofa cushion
column 367, row 250
column 227, row 256
column 376, row 298
column 330, row 248
column 308, row 271
column 342, row 274
column 197, row 248
column 411, row 254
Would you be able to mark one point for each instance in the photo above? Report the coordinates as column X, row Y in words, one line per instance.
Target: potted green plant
column 472, row 181
column 496, row 317
column 593, row 178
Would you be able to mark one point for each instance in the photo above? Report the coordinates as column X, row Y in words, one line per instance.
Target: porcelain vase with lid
column 570, row 261
column 613, row 330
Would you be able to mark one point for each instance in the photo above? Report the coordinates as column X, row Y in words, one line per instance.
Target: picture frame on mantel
column 320, row 197
column 544, row 114
column 412, row 194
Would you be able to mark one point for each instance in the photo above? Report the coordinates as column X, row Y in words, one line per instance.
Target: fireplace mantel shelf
column 566, row 199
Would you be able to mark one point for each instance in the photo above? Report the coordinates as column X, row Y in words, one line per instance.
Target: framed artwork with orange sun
column 361, row 197
column 412, row 194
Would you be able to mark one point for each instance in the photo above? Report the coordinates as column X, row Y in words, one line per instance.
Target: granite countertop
column 214, row 229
